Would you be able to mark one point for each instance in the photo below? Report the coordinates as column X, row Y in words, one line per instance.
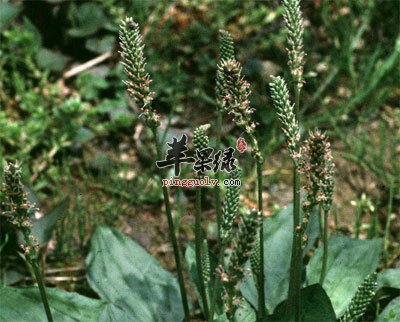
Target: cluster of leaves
column 132, row 285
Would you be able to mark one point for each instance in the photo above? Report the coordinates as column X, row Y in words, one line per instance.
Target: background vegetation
column 65, row 114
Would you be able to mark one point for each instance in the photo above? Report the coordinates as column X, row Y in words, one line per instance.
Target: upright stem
column 293, row 308
column 217, row 189
column 198, row 242
column 321, row 222
column 325, row 254
column 387, row 225
column 357, row 222
column 42, row 290
column 219, row 222
column 216, row 284
column 172, row 236
column 261, row 278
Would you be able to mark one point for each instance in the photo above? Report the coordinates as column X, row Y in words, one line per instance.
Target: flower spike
column 286, row 115
column 294, row 25
column 134, row 63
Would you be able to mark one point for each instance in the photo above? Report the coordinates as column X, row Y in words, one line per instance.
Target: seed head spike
column 286, row 115
column 205, row 262
column 361, row 300
column 317, row 164
column 231, row 206
column 200, row 138
column 18, row 207
column 226, row 51
column 236, row 95
column 244, row 243
column 134, row 62
column 294, row 24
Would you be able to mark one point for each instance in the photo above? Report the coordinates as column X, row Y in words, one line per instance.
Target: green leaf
column 244, row 313
column 391, row 313
column 90, row 86
column 123, row 273
column 21, row 305
column 112, row 313
column 83, row 135
column 100, row 45
column 88, row 18
column 51, row 60
column 43, row 228
column 7, row 13
column 350, row 261
column 389, row 278
column 277, row 249
column 315, row 306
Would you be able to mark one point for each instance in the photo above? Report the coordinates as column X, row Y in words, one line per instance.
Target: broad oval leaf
column 24, row 304
column 350, row 261
column 391, row 313
column 315, row 306
column 51, row 59
column 123, row 273
column 389, row 278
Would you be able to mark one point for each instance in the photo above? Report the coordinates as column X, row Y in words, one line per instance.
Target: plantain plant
column 312, row 157
column 235, row 92
column 138, row 85
column 19, row 210
column 289, row 116
column 231, row 280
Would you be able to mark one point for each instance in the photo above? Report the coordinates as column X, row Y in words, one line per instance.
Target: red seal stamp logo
column 241, row 145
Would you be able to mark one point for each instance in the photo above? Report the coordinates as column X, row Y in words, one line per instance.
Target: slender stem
column 172, row 236
column 321, row 222
column 198, row 241
column 387, row 225
column 219, row 221
column 42, row 290
column 325, row 254
column 293, row 304
column 216, row 284
column 296, row 259
column 217, row 189
column 261, row 278
column 357, row 222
